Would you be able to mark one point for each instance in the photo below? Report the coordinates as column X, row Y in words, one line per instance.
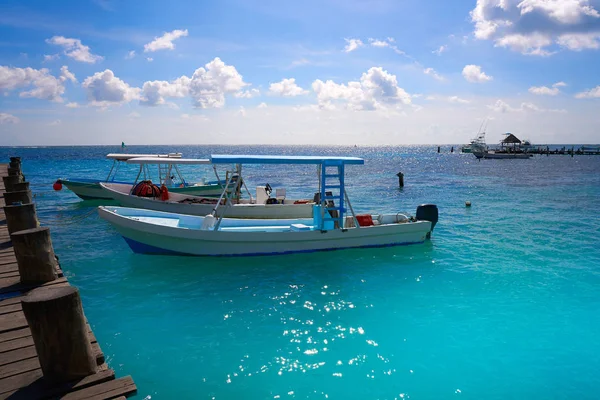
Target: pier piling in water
column 10, row 181
column 19, row 196
column 59, row 333
column 35, row 255
column 21, row 217
column 50, row 349
column 19, row 186
column 400, row 176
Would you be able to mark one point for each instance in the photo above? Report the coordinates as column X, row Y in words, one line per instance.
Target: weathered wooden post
column 20, row 217
column 14, row 161
column 438, row 149
column 400, row 176
column 35, row 255
column 14, row 171
column 59, row 331
column 19, row 196
column 20, row 186
column 10, row 181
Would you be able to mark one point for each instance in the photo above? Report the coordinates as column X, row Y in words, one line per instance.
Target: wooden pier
column 21, row 375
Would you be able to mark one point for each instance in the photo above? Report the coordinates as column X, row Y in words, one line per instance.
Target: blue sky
column 329, row 71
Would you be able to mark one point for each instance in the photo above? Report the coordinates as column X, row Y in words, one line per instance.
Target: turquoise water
column 501, row 303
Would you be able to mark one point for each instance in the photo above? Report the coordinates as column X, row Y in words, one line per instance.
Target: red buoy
column 57, row 185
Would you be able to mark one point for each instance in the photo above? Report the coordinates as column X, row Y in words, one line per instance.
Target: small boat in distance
column 330, row 228
column 169, row 174
column 478, row 143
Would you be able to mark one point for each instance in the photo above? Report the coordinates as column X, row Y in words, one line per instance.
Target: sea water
column 503, row 302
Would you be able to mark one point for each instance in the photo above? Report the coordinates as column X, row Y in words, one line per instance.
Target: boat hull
column 120, row 193
column 503, row 156
column 91, row 190
column 150, row 238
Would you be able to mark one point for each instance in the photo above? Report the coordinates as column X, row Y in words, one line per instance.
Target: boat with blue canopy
column 334, row 224
column 267, row 203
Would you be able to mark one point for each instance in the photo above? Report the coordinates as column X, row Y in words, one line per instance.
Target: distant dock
column 39, row 338
column 537, row 149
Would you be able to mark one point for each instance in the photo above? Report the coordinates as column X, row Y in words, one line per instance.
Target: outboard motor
column 428, row 212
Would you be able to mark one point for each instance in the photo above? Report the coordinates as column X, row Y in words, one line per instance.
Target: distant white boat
column 330, row 228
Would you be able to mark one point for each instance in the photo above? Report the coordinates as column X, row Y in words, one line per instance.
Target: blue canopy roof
column 251, row 159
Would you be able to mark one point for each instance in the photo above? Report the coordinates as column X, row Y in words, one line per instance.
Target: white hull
column 502, row 156
column 120, row 193
column 165, row 233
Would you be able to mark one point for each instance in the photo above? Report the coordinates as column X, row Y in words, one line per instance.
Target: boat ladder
column 330, row 211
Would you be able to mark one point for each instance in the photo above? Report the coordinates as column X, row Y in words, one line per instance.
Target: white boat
column 492, row 155
column 89, row 189
column 330, row 228
column 478, row 143
column 261, row 206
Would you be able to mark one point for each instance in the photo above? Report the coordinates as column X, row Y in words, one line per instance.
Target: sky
column 331, row 72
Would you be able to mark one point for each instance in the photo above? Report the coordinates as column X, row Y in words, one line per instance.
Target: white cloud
column 532, row 44
column 134, row 115
column 209, row 85
column 503, row 107
column 149, row 59
column 72, row 105
column 43, row 85
column 66, row 75
column 8, row 119
column 546, row 91
column 74, row 49
column 532, row 26
column 130, row 55
column 55, row 122
column 579, row 41
column 154, row 92
column 449, row 99
column 241, row 112
column 262, row 105
column 432, row 72
column 458, row 100
column 388, row 42
column 377, row 89
column 165, row 42
column 105, row 89
column 286, row 88
column 474, row 74
column 440, row 50
column 589, row 94
column 247, row 94
column 51, row 57
column 352, row 44
column 379, row 43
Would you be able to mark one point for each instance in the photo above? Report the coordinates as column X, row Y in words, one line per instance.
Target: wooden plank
column 9, row 285
column 10, row 274
column 24, row 332
column 14, row 334
column 17, row 355
column 18, row 367
column 107, row 390
column 16, row 344
column 39, row 388
column 9, row 308
column 15, row 382
column 11, row 321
